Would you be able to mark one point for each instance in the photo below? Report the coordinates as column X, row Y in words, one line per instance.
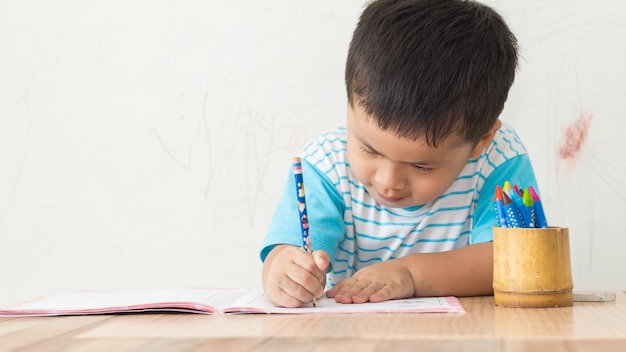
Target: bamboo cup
column 531, row 267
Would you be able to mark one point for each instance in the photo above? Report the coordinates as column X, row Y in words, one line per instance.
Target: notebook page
column 89, row 302
column 257, row 302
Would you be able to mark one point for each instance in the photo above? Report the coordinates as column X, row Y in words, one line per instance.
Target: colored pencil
column 301, row 199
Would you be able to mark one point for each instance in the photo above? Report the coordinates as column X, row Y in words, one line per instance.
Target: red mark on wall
column 574, row 137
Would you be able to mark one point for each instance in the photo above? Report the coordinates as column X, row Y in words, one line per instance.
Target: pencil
column 539, row 214
column 500, row 212
column 304, row 219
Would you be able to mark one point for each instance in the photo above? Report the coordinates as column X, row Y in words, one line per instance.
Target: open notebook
column 210, row 301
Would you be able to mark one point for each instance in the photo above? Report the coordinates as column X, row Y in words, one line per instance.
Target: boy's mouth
column 391, row 200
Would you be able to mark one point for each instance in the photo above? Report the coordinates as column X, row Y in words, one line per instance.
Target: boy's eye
column 368, row 151
column 422, row 169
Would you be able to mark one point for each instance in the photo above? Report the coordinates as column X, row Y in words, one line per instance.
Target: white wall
column 144, row 143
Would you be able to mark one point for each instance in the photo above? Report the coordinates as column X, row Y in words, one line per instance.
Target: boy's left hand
column 375, row 283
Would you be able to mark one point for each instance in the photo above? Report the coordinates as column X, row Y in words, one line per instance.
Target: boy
column 400, row 202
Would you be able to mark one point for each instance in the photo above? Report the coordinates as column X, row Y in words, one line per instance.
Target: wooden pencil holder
column 531, row 267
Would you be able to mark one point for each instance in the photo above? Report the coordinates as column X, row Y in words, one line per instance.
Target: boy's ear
column 484, row 141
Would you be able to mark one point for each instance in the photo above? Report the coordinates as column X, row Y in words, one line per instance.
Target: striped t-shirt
column 356, row 231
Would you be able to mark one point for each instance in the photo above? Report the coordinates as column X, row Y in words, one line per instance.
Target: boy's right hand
column 292, row 277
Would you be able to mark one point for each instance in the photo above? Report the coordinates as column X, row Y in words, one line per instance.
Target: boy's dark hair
column 429, row 68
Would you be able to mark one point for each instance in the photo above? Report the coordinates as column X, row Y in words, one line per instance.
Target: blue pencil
column 500, row 213
column 528, row 202
column 301, row 199
column 304, row 218
column 513, row 218
column 539, row 214
column 523, row 210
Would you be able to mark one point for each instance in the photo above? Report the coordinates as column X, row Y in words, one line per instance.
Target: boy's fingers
column 295, row 278
column 354, row 290
column 297, row 293
column 284, row 299
column 305, row 279
column 333, row 291
column 321, row 259
column 384, row 294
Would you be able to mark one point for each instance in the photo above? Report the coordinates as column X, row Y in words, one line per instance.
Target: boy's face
column 399, row 172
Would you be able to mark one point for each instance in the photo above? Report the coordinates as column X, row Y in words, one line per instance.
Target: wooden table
column 588, row 326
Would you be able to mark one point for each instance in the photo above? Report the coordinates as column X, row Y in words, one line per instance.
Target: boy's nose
column 389, row 177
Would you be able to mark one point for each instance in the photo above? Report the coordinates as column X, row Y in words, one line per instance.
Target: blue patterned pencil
column 513, row 218
column 522, row 209
column 539, row 214
column 301, row 199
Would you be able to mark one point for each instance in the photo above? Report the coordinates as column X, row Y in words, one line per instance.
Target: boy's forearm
column 466, row 271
